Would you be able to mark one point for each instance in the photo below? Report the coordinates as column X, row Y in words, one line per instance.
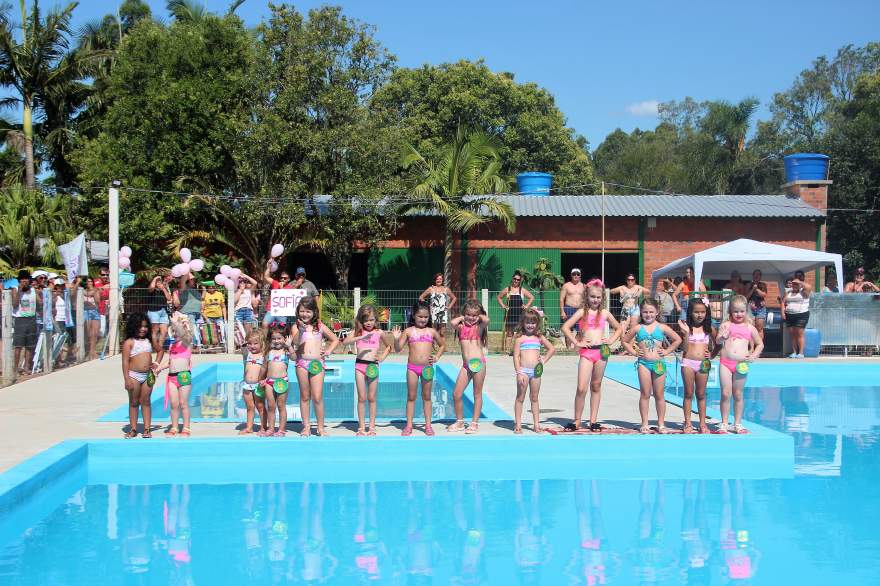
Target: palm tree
column 541, row 278
column 454, row 186
column 729, row 123
column 32, row 226
column 35, row 66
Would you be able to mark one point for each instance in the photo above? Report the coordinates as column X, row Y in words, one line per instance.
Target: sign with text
column 283, row 302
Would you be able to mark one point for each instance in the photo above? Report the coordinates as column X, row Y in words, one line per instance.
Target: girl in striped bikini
column 425, row 348
column 529, row 366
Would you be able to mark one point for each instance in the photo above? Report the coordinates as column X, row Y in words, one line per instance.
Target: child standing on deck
column 649, row 339
column 368, row 340
column 276, row 383
column 422, row 340
column 529, row 366
column 699, row 340
column 471, row 327
column 179, row 383
column 138, row 371
column 595, row 349
column 254, row 357
column 741, row 344
column 308, row 337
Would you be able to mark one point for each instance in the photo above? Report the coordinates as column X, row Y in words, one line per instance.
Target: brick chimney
column 811, row 191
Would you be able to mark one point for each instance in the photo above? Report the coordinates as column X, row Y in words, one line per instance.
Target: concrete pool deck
column 66, row 405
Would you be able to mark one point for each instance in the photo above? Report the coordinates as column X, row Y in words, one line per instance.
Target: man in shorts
column 24, row 313
column 571, row 298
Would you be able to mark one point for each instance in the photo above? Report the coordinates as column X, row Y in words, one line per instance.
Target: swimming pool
column 482, row 518
column 216, row 395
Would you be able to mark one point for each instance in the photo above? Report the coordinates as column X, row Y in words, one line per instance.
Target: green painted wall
column 403, row 268
column 496, row 266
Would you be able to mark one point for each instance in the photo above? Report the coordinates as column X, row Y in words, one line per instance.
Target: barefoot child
column 699, row 340
column 529, row 366
column 138, row 371
column 472, row 329
column 179, row 383
column 372, row 348
column 422, row 340
column 277, row 383
column 594, row 351
column 741, row 344
column 254, row 357
column 308, row 337
column 649, row 338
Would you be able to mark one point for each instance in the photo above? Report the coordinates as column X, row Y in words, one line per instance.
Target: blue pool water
column 818, row 527
column 216, row 395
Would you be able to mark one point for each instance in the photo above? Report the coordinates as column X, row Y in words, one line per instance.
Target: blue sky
column 607, row 63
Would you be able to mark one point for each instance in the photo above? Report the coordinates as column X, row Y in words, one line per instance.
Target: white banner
column 283, row 302
column 73, row 253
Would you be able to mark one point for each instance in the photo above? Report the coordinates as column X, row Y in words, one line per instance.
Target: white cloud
column 646, row 108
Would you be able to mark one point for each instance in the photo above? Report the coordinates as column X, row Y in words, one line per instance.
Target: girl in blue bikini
column 649, row 338
column 426, row 346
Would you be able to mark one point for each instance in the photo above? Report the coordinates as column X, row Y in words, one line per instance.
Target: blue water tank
column 812, row 342
column 534, row 183
column 806, row 167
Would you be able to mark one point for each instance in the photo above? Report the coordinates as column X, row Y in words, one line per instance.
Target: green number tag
column 315, row 367
column 428, row 373
column 660, row 368
column 372, row 371
column 184, row 378
column 705, row 366
column 604, row 351
column 539, row 369
column 151, row 378
column 260, row 391
column 742, row 367
column 475, row 365
column 280, row 386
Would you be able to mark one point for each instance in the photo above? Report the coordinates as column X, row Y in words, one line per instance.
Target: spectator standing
column 571, row 298
column 24, row 314
column 188, row 300
column 158, row 299
column 283, row 282
column 796, row 313
column 665, row 292
column 859, row 284
column 441, row 299
column 300, row 282
column 91, row 314
column 214, row 309
column 756, row 293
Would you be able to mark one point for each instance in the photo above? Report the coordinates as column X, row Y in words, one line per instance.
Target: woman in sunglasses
column 513, row 299
column 630, row 293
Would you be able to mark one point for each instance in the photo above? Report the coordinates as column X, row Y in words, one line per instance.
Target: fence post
column 48, row 343
column 48, row 328
column 80, row 327
column 230, row 320
column 10, row 369
column 484, row 299
column 357, row 299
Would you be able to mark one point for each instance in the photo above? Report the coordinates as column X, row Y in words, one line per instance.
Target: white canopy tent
column 775, row 262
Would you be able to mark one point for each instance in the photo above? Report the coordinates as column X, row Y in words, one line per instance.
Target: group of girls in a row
column 592, row 329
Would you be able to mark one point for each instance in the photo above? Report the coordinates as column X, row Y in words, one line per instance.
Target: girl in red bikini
column 472, row 329
column 425, row 348
column 594, row 345
column 529, row 366
column 308, row 336
column 179, row 383
column 699, row 342
column 372, row 348
column 741, row 344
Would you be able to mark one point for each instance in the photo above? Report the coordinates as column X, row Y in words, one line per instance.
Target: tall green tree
column 455, row 186
column 35, row 67
column 32, row 226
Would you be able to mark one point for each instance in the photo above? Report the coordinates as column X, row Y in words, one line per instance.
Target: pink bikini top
column 314, row 334
column 466, row 332
column 597, row 322
column 427, row 338
column 740, row 331
column 371, row 342
column 178, row 350
column 701, row 338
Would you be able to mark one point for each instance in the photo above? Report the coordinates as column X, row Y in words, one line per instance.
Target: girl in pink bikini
column 179, row 383
column 529, row 366
column 741, row 344
column 372, row 348
column 594, row 346
column 277, row 382
column 472, row 328
column 254, row 358
column 425, row 348
column 308, row 338
column 699, row 342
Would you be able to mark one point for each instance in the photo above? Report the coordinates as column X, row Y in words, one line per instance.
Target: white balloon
column 175, row 271
column 230, row 284
column 221, row 280
column 124, row 262
column 225, row 270
column 185, row 254
column 235, row 274
column 125, row 251
column 277, row 250
column 273, row 266
column 196, row 264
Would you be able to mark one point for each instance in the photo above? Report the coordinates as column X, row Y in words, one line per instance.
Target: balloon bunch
column 125, row 258
column 277, row 250
column 228, row 277
column 189, row 264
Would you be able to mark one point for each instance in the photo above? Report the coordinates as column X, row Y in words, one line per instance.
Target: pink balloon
column 277, row 250
column 235, row 274
column 185, row 254
column 175, row 271
column 196, row 264
column 221, row 280
column 125, row 251
column 273, row 266
column 124, row 262
column 225, row 270
column 230, row 284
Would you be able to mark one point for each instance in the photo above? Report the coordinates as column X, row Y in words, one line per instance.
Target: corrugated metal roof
column 695, row 206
